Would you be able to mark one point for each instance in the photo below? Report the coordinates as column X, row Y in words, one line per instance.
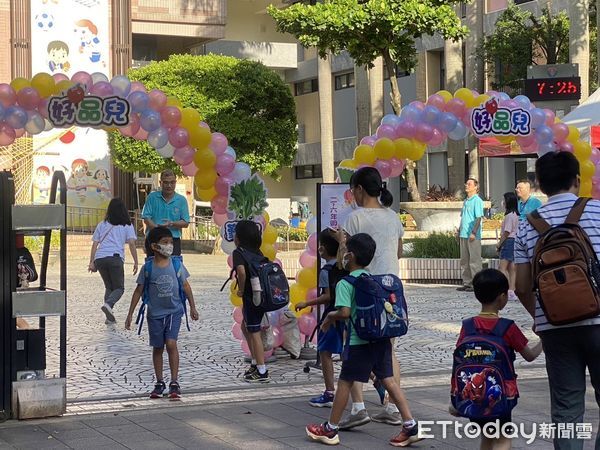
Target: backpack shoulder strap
column 147, row 268
column 177, row 266
column 502, row 327
column 468, row 326
column 539, row 224
column 577, row 211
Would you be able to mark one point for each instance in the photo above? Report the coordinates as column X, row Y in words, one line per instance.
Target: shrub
column 295, row 234
column 436, row 245
column 35, row 244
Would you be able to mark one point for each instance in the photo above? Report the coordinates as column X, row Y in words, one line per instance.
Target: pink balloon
column 386, row 131
column 28, row 98
column 278, row 262
column 204, row 125
column 236, row 330
column 525, row 141
column 184, row 155
column 137, row 86
column 595, row 156
column 84, row 79
column 456, row 106
column 561, row 131
column 7, row 134
column 219, row 219
column 157, row 99
column 277, row 337
column 218, row 143
column 406, row 129
column 383, row 167
column 58, row 77
column 437, row 101
column 141, row 135
column 510, row 104
column 19, row 132
column 312, row 243
column 132, row 127
column 567, row 147
column 307, row 324
column 170, row 116
column 436, row 139
column 549, row 117
column 245, row 348
column 8, row 96
column 225, row 164
column 219, row 204
column 179, row 137
column 268, row 353
column 533, row 148
column 222, row 185
column 311, row 294
column 230, row 261
column 189, row 170
column 43, row 108
column 238, row 315
column 307, row 259
column 596, row 191
column 424, row 132
column 417, row 104
column 397, row 167
column 368, row 140
column 102, row 89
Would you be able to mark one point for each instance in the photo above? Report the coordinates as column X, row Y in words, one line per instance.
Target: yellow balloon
column 465, row 95
column 348, row 163
column 307, row 277
column 364, row 154
column 268, row 250
column 190, row 118
column 44, row 84
column 206, row 195
column 384, row 148
column 205, row 180
column 205, row 158
column 63, row 86
column 235, row 300
column 233, row 287
column 585, row 189
column 582, row 151
column 403, row 147
column 417, row 150
column 573, row 136
column 479, row 100
column 297, row 293
column 199, row 136
column 269, row 235
column 19, row 83
column 587, row 169
column 172, row 101
column 302, row 311
column 266, row 217
column 447, row 96
column 505, row 139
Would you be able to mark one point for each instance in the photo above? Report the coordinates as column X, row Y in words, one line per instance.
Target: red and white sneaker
column 406, row 437
column 174, row 390
column 323, row 434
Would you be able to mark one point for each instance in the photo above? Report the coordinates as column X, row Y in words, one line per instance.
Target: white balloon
column 230, row 151
column 227, row 247
column 99, row 76
column 166, row 151
column 311, row 225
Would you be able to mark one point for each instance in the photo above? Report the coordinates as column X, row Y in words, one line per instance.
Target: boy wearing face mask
column 165, row 308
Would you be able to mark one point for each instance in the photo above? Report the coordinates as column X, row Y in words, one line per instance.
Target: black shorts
column 501, row 422
column 253, row 316
column 363, row 359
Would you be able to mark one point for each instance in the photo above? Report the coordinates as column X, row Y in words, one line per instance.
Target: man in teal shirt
column 469, row 234
column 167, row 208
column 527, row 203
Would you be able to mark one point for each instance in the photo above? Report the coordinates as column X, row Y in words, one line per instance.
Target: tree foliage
column 244, row 100
column 520, row 39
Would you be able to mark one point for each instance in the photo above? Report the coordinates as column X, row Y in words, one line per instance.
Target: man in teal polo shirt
column 470, row 234
column 527, row 203
column 167, row 208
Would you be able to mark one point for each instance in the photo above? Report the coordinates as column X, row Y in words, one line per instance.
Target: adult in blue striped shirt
column 569, row 348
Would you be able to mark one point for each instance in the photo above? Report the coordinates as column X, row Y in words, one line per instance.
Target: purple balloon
column 417, row 104
column 567, row 147
column 179, row 137
column 406, row 129
column 431, row 115
column 15, row 117
column 437, row 101
column 222, row 185
column 384, row 168
column 386, row 131
column 546, row 148
column 8, row 96
column 538, row 117
column 447, row 122
column 218, row 143
column 411, row 113
column 391, row 119
column 184, row 155
column 138, row 100
column 424, row 132
column 544, row 135
column 136, row 86
column 158, row 138
column 150, row 121
column 157, row 99
column 84, row 79
column 102, row 89
column 28, row 98
column 368, row 140
column 225, row 164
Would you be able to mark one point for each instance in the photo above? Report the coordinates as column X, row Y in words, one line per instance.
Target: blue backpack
column 381, row 311
column 483, row 384
column 177, row 263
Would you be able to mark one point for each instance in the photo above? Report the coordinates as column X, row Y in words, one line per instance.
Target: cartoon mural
column 58, row 57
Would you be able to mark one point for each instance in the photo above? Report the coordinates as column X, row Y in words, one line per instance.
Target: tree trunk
column 396, row 99
column 363, row 105
column 326, row 118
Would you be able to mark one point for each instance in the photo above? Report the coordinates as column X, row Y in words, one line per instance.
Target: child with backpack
column 330, row 342
column 163, row 287
column 376, row 310
column 484, row 384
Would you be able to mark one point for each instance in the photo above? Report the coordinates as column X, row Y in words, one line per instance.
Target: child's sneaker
column 174, row 390
column 252, row 369
column 406, row 437
column 325, row 400
column 257, row 377
column 159, row 388
column 380, row 390
column 108, row 312
column 322, row 433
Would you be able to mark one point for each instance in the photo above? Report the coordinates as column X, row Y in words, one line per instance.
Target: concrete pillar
column 326, row 114
column 423, row 92
column 363, row 104
column 474, row 66
column 376, row 93
column 579, row 40
column 454, row 80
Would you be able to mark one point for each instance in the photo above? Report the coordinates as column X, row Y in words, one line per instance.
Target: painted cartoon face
column 58, row 56
column 83, row 33
column 101, row 175
column 79, row 171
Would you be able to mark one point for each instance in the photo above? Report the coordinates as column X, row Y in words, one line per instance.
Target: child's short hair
column 248, row 234
column 363, row 246
column 154, row 237
column 329, row 242
column 489, row 284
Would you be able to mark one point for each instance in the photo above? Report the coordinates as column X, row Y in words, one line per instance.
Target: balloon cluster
column 305, row 287
column 447, row 116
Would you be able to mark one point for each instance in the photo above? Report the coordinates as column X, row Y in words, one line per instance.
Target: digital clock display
column 548, row 89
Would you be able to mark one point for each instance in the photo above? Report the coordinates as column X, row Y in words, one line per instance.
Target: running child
column 165, row 307
column 248, row 240
column 332, row 341
column 360, row 357
column 485, row 391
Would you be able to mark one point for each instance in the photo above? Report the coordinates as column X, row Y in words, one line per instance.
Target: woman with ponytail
column 375, row 218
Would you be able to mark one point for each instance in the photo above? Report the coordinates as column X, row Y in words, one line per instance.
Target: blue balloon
column 544, row 135
column 391, row 119
column 523, row 101
column 546, row 148
column 431, row 115
column 447, row 122
column 121, row 85
column 16, row 117
column 2, row 111
column 230, row 151
column 138, row 101
column 503, row 96
column 150, row 120
column 538, row 117
column 411, row 113
column 460, row 132
column 158, row 138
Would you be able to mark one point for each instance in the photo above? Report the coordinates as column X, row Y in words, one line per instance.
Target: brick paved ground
column 107, row 361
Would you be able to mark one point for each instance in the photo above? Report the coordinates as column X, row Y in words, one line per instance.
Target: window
column 301, row 133
column 310, row 171
column 306, row 87
column 463, row 10
column 399, row 72
column 344, row 81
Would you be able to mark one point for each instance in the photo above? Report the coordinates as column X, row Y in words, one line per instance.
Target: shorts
column 160, row 330
column 501, row 422
column 363, row 359
column 331, row 341
column 253, row 316
column 507, row 252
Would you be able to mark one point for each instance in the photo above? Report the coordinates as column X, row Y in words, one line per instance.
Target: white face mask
column 345, row 262
column 165, row 249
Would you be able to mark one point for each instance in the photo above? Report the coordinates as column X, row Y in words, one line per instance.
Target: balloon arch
column 92, row 100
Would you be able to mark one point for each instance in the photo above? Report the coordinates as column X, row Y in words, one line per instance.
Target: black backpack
column 335, row 275
column 26, row 272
